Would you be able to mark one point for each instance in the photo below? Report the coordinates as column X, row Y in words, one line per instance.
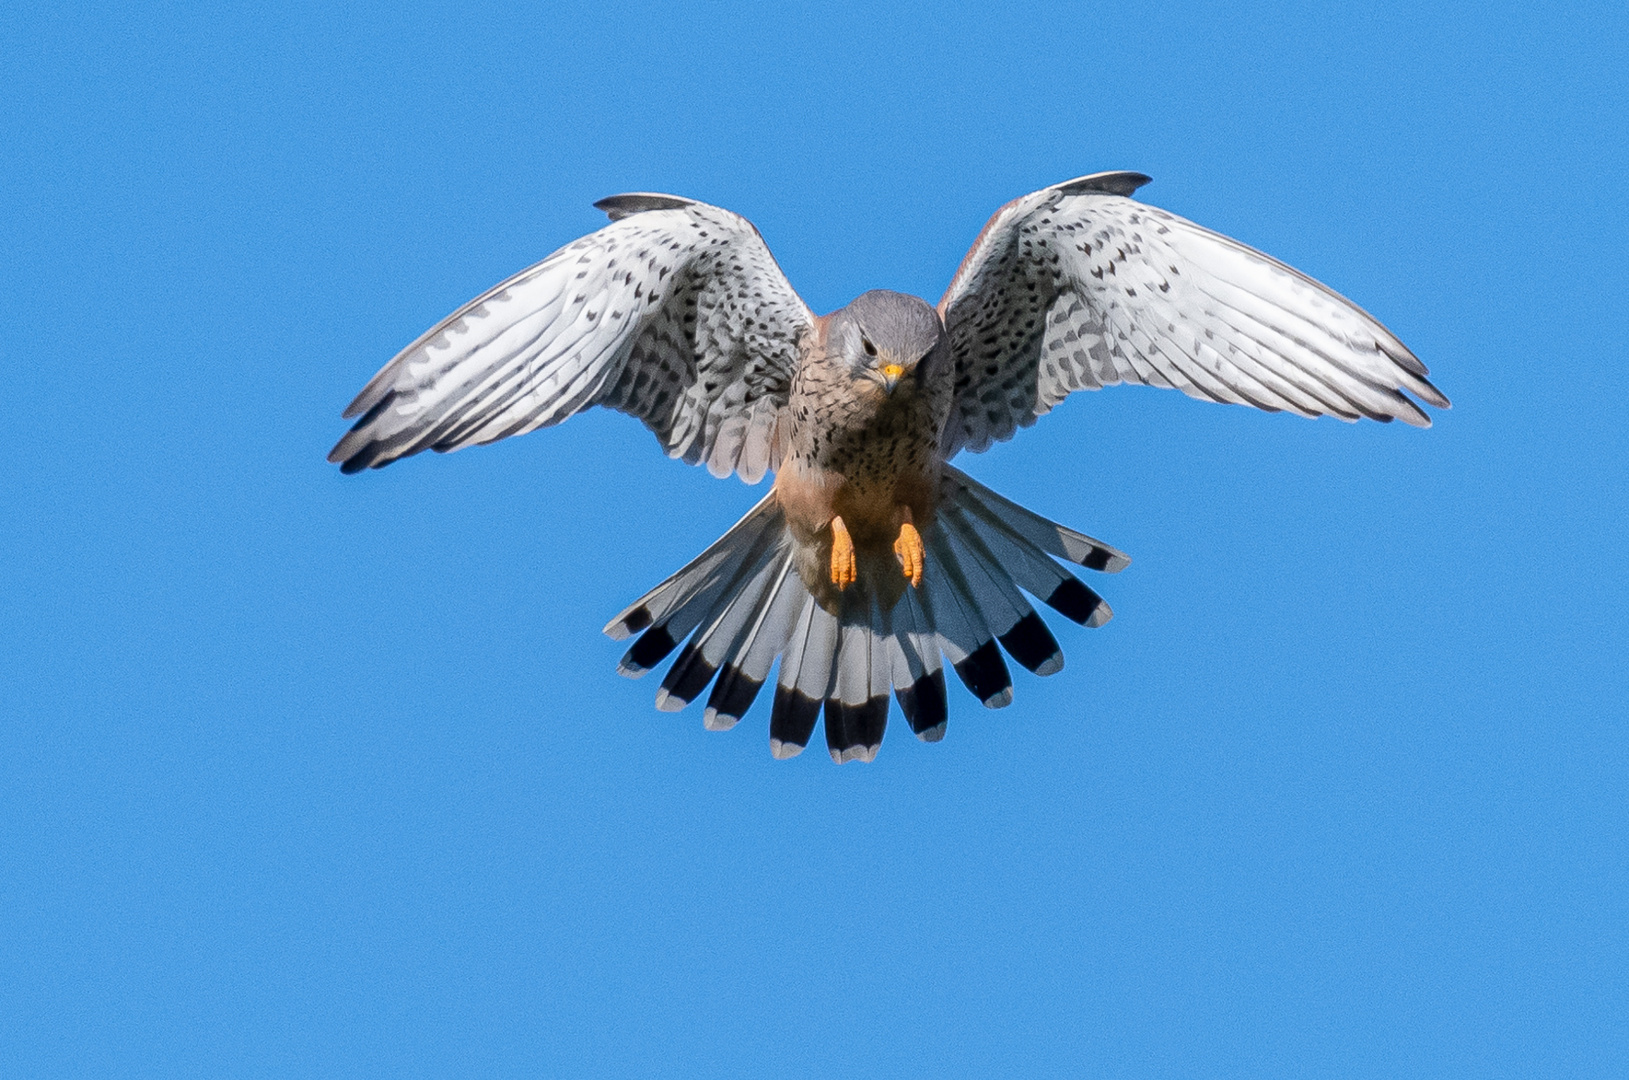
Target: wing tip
column 1110, row 183
column 352, row 455
column 617, row 207
column 1413, row 415
column 1431, row 395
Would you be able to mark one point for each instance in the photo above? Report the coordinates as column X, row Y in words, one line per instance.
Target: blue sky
column 311, row 775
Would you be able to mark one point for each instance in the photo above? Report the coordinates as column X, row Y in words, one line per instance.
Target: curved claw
column 845, row 569
column 909, row 549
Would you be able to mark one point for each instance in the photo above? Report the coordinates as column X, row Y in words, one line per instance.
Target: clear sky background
column 304, row 775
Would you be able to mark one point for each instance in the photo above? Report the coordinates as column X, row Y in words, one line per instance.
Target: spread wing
column 675, row 313
column 1078, row 286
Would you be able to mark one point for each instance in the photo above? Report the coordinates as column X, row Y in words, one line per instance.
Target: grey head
column 886, row 336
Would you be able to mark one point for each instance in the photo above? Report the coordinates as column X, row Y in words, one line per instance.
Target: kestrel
column 872, row 560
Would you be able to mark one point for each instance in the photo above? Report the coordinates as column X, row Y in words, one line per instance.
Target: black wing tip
column 1110, row 183
column 617, row 207
column 353, row 459
column 1427, row 391
column 351, row 454
column 372, row 455
column 362, row 403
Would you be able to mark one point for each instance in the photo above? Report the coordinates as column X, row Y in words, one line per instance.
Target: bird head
column 886, row 338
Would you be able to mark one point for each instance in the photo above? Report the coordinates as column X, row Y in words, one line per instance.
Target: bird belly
column 874, row 491
column 874, row 496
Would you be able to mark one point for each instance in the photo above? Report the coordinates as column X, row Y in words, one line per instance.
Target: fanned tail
column 741, row 604
column 668, row 613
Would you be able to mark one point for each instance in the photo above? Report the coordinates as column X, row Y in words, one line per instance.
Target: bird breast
column 859, row 452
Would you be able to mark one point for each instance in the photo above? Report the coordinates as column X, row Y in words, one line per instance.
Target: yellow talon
column 909, row 549
column 844, row 568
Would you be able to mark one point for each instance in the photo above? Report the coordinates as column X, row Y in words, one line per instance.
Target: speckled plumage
column 676, row 313
column 855, row 449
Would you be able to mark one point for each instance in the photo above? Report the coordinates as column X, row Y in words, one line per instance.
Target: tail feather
column 699, row 660
column 746, row 670
column 701, row 574
column 701, row 597
column 1049, row 536
column 814, row 674
column 964, row 636
column 882, row 669
column 1030, row 567
column 792, row 718
column 1006, row 612
column 857, row 706
column 919, row 679
column 1020, row 631
column 742, row 605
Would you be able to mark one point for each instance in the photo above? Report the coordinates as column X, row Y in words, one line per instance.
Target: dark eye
column 870, row 349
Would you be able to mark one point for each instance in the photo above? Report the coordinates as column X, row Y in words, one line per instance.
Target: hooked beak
column 891, row 374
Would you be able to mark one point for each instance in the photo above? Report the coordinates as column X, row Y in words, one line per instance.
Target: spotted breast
column 864, row 419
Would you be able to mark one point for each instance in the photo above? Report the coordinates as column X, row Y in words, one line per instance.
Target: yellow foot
column 844, row 569
column 909, row 549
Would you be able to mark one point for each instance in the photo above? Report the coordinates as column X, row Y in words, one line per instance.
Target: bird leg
column 909, row 549
column 844, row 567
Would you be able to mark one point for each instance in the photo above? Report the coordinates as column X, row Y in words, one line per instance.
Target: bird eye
column 870, row 349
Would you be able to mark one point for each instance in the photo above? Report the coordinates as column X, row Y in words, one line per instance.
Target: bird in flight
column 873, row 562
